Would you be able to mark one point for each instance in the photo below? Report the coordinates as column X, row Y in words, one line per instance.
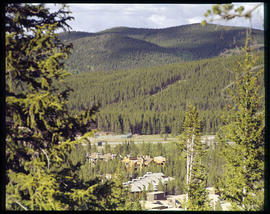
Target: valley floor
column 118, row 139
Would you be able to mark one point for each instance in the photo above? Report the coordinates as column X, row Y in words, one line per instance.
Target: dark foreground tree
column 40, row 132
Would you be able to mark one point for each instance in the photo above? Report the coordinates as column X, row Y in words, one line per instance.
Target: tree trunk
column 188, row 163
column 190, row 157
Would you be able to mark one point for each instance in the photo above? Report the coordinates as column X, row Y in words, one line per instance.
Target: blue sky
column 98, row 17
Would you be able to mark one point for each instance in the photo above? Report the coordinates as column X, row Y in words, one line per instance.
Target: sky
column 97, row 17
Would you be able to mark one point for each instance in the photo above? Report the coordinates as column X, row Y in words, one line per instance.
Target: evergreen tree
column 119, row 192
column 137, row 205
column 198, row 195
column 40, row 130
column 119, row 198
column 243, row 132
column 160, row 186
column 243, row 136
column 150, row 187
column 190, row 142
column 144, row 193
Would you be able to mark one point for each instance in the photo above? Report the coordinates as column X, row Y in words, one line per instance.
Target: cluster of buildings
column 155, row 200
column 93, row 157
column 130, row 162
column 159, row 200
column 142, row 183
column 142, row 161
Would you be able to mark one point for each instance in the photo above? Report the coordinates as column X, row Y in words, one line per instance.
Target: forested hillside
column 152, row 100
column 125, row 48
column 144, row 78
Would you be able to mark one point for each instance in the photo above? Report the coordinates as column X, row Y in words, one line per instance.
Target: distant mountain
column 125, row 48
column 73, row 35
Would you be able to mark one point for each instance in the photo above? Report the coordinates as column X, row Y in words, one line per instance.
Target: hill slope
column 125, row 48
column 152, row 100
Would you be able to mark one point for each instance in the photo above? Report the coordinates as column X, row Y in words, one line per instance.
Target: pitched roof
column 137, row 185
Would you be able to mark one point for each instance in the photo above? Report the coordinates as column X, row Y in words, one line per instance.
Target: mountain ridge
column 125, row 47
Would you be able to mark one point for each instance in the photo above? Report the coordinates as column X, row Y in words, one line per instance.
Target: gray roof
column 138, row 184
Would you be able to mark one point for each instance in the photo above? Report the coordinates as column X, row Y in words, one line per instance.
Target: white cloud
column 196, row 19
column 157, row 19
column 97, row 17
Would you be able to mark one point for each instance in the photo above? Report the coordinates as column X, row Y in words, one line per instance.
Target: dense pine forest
column 153, row 100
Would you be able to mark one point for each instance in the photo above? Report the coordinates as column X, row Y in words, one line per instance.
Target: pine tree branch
column 48, row 160
column 251, row 70
column 17, row 202
column 236, row 15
